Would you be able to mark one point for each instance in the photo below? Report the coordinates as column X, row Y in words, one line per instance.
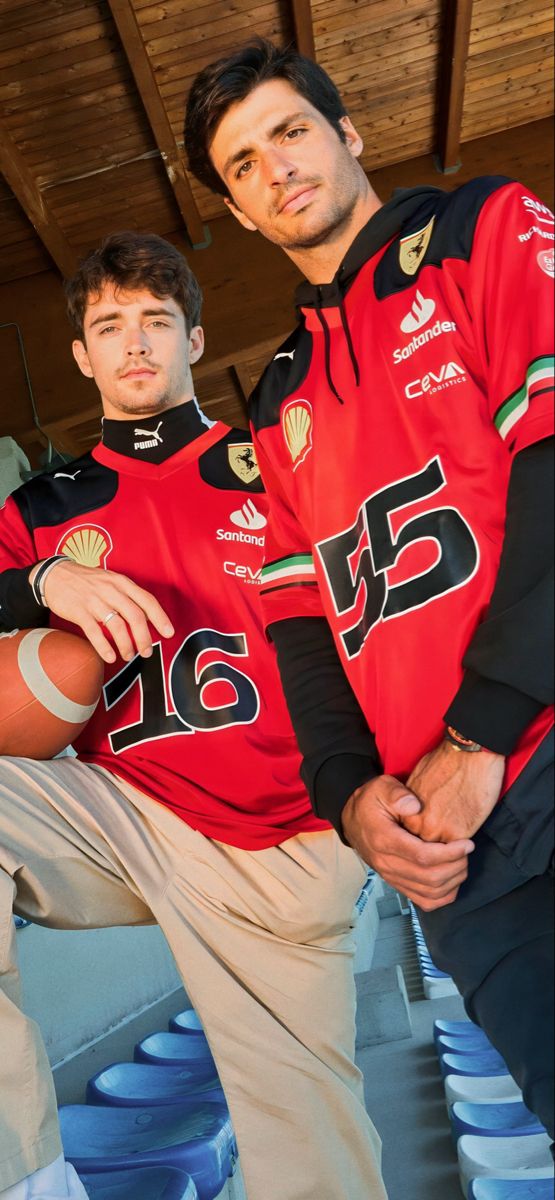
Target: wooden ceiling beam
column 304, row 29
column 452, row 85
column 147, row 86
column 35, row 206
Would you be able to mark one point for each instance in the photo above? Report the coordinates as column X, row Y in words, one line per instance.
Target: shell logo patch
column 88, row 545
column 297, row 430
column 413, row 248
column 243, row 463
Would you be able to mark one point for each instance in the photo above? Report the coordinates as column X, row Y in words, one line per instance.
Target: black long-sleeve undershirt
column 508, row 664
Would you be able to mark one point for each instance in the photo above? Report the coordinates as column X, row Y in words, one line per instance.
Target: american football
column 50, row 687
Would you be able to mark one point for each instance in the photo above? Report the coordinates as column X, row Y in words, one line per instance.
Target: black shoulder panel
column 283, row 375
column 82, row 486
column 456, row 214
column 231, row 464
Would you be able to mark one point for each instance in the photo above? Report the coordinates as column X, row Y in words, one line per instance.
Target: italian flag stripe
column 296, row 566
column 516, row 405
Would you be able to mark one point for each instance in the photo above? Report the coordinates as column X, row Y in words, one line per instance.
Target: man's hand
column 85, row 596
column 457, row 791
column 373, row 818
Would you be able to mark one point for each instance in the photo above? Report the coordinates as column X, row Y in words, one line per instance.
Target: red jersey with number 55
column 385, row 430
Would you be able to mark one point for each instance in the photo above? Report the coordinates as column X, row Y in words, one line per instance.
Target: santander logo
column 421, row 312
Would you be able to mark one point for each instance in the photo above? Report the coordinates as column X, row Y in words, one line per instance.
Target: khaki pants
column 263, row 941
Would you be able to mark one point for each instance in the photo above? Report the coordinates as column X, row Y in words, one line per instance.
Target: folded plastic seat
column 195, row 1136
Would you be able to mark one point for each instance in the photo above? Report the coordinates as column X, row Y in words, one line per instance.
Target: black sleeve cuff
column 491, row 713
column 335, row 781
column 18, row 607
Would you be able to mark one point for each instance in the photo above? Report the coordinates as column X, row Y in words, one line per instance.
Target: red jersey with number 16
column 202, row 725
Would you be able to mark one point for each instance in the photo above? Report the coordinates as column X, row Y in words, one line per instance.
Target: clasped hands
column 418, row 835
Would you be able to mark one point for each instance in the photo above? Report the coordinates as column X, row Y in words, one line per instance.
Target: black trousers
column 497, row 938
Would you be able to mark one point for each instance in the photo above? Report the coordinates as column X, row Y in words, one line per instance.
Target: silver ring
column 108, row 617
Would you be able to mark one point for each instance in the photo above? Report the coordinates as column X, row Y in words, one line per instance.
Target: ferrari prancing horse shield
column 242, row 461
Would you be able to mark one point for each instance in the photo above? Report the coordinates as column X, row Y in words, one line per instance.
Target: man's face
column 138, row 352
column 287, row 171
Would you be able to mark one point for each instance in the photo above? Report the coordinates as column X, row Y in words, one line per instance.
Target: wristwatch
column 460, row 742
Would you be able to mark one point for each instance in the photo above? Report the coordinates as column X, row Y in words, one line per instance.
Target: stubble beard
column 331, row 223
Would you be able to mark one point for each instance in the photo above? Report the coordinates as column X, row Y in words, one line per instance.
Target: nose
column 137, row 343
column 278, row 166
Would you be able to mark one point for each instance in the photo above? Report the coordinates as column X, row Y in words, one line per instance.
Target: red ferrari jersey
column 385, row 430
column 202, row 725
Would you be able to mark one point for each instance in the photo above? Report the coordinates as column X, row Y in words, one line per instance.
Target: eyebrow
column 145, row 312
column 273, row 133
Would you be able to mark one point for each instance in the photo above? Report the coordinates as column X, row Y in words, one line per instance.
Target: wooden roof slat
column 351, row 41
column 493, row 80
column 41, row 128
column 218, row 17
column 90, row 67
column 147, row 85
column 14, row 15
column 22, row 33
column 213, row 38
column 35, row 205
column 487, row 12
column 511, row 31
column 539, row 47
column 52, row 97
column 385, row 17
column 49, row 50
column 52, row 64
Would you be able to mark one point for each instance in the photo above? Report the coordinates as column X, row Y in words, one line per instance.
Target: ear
column 240, row 216
column 353, row 140
column 196, row 344
column 82, row 359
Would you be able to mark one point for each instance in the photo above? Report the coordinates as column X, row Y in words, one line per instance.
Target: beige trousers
column 263, row 941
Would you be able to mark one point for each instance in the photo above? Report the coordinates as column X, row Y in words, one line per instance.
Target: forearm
column 509, row 662
column 339, row 751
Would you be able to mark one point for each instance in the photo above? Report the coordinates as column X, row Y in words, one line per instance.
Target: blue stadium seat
column 455, row 1029
column 511, row 1189
column 195, row 1136
column 465, row 1045
column 481, row 1089
column 483, row 1062
column 527, row 1158
column 146, row 1183
column 186, row 1022
column 494, row 1120
column 131, row 1084
column 173, row 1049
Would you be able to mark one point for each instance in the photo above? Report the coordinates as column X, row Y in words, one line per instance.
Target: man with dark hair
column 404, row 433
column 184, row 805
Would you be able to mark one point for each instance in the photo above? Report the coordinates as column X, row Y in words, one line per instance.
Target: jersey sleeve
column 18, row 607
column 289, row 586
column 511, row 303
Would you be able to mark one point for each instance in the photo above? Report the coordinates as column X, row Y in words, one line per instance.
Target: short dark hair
column 133, row 261
column 232, row 78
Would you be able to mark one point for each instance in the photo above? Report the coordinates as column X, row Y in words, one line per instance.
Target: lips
column 298, row 199
column 139, row 373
